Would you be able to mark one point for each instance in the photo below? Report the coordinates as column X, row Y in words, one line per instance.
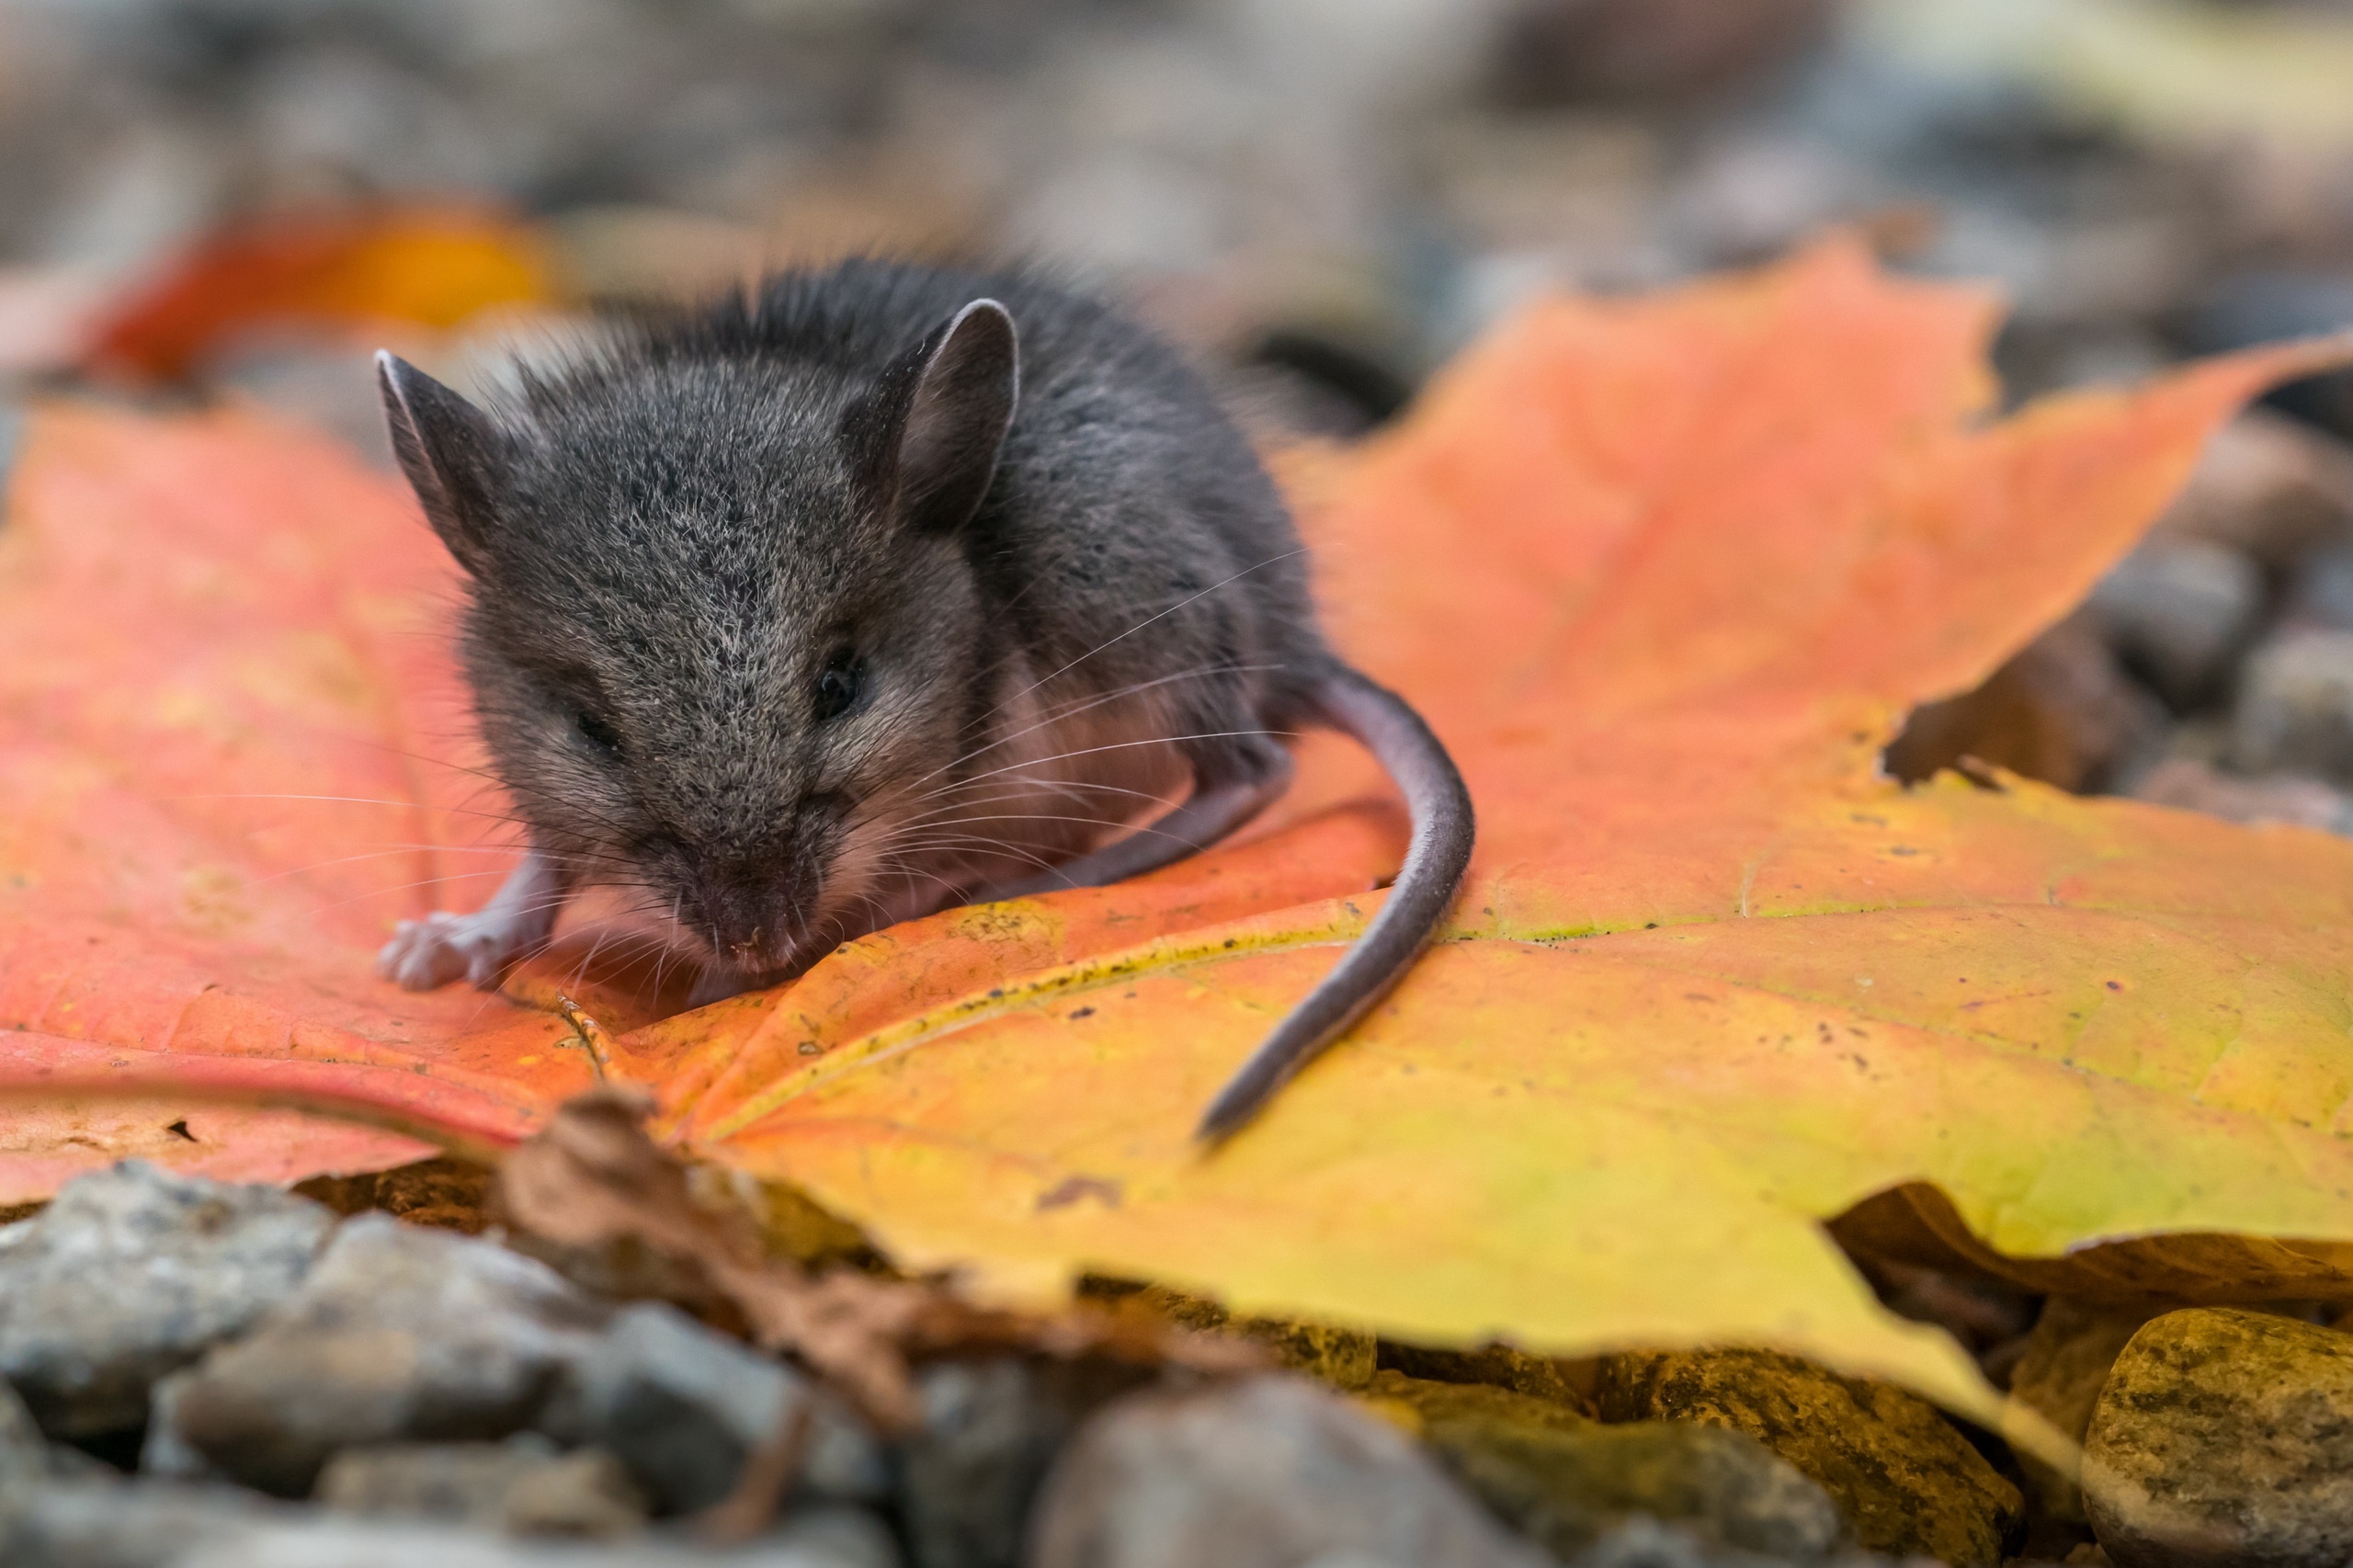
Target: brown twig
column 766, row 1480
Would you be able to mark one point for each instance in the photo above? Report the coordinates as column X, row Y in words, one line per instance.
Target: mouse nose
column 748, row 912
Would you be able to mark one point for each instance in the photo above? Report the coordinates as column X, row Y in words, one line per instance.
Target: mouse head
column 723, row 614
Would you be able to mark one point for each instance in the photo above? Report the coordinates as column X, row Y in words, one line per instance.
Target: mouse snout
column 750, row 915
column 755, row 902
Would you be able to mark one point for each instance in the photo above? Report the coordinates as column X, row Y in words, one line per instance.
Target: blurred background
column 1321, row 198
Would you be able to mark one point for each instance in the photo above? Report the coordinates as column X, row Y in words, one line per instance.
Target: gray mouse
column 874, row 590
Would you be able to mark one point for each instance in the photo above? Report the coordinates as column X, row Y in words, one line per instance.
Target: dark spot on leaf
column 1083, row 1013
column 1070, row 1189
column 180, row 1129
column 2116, row 985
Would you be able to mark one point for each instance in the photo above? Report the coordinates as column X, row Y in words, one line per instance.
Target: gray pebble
column 398, row 1334
column 682, row 1406
column 2179, row 612
column 990, row 1431
column 166, row 1525
column 523, row 1486
column 133, row 1272
column 116, row 1524
column 2295, row 706
column 1271, row 1472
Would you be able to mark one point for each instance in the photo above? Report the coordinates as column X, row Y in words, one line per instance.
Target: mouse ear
column 933, row 425
column 448, row 447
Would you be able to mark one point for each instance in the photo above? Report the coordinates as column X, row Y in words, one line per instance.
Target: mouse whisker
column 1085, row 704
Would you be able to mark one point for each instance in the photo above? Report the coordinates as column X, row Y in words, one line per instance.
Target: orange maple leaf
column 1666, row 574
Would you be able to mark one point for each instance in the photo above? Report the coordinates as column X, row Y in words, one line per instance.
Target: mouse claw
column 427, row 954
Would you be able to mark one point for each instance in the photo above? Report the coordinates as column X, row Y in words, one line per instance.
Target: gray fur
column 1049, row 624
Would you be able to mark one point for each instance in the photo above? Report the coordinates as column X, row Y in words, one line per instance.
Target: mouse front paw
column 425, row 954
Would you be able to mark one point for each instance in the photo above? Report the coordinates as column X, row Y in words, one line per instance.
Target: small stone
column 1343, row 1358
column 19, row 1433
column 1269, row 1473
column 399, row 1333
column 132, row 1273
column 2269, row 487
column 112, row 1523
column 990, row 1431
column 523, row 1486
column 2321, row 594
column 450, row 1195
column 683, row 1406
column 1498, row 1366
column 1648, row 1543
column 2066, row 1365
column 1565, row 1489
column 2177, row 614
column 2196, row 785
column 26, row 1458
column 2220, row 1437
column 1907, row 1482
column 2295, row 706
column 160, row 1525
column 1429, row 1402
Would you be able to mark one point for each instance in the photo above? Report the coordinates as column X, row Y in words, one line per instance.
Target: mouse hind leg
column 1227, row 792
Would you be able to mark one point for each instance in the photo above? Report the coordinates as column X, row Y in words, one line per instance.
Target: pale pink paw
column 429, row 953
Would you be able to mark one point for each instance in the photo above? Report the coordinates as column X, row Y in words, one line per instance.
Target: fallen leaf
column 593, row 1178
column 433, row 266
column 1666, row 574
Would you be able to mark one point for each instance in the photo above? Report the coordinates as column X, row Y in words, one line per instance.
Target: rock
column 990, row 1431
column 1565, row 1489
column 2177, row 615
column 2062, row 710
column 1647, row 1543
column 398, row 1334
column 1498, row 1366
column 162, row 1525
column 22, row 1450
column 1343, row 1358
column 1907, row 1482
column 2196, row 785
column 132, row 1273
column 1425, row 1400
column 2066, row 1365
column 2295, row 706
column 1269, row 1473
column 2220, row 1437
column 450, row 1195
column 2269, row 487
column 682, row 1406
column 164, row 1453
column 1558, row 50
column 2321, row 592
column 523, row 1486
column 116, row 1524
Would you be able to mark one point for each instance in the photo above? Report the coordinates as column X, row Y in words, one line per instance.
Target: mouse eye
column 838, row 686
column 601, row 735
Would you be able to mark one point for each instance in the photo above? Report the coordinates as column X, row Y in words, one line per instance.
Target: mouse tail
column 1418, row 900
